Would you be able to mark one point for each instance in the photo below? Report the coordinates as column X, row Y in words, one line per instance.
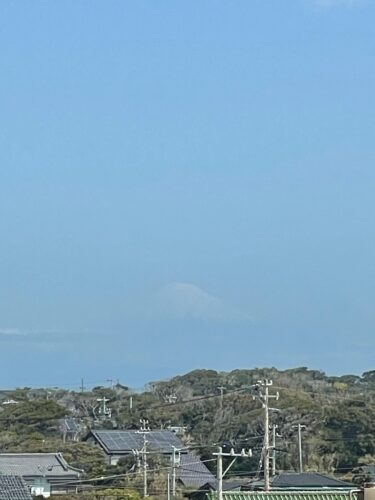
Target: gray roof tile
column 307, row 479
column 14, row 488
column 192, row 472
column 35, row 464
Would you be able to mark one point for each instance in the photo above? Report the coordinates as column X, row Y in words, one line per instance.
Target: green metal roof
column 282, row 495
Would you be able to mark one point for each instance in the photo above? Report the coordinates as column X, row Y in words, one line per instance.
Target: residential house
column 191, row 472
column 5, row 395
column 45, row 473
column 301, row 481
column 71, row 429
column 284, row 483
column 120, row 443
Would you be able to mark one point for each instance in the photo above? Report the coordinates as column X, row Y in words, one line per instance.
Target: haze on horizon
column 185, row 185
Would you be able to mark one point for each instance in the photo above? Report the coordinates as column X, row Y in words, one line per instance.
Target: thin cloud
column 34, row 336
column 9, row 333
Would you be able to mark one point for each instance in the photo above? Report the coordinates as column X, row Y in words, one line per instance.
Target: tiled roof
column 192, row 472
column 14, row 488
column 307, row 480
column 36, row 464
column 301, row 481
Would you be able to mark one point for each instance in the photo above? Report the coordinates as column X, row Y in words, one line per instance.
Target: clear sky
column 185, row 184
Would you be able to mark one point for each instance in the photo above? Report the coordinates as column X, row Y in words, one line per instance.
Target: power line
column 129, row 474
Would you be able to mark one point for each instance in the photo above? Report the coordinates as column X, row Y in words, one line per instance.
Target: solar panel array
column 164, row 440
column 125, row 441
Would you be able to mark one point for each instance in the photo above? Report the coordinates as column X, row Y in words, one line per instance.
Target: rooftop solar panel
column 125, row 441
column 71, row 425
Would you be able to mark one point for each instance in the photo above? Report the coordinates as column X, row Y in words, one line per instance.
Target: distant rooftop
column 308, row 479
column 303, row 480
column 36, row 464
column 192, row 472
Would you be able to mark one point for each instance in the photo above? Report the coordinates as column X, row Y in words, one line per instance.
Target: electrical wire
column 127, row 474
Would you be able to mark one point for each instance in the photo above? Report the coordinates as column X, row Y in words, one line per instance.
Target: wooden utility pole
column 221, row 389
column 300, row 458
column 175, row 462
column 144, row 430
column 263, row 395
column 220, row 474
column 274, row 427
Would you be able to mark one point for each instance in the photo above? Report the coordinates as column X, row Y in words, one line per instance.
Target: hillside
column 213, row 408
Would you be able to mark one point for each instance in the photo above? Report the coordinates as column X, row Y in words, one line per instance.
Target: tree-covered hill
column 211, row 408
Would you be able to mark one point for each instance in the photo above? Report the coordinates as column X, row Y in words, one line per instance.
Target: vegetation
column 338, row 413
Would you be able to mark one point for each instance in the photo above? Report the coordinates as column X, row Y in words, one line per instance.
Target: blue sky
column 183, row 185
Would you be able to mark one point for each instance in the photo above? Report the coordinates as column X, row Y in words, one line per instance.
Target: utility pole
column 175, row 463
column 300, row 427
column 220, row 474
column 104, row 411
column 82, row 386
column 174, row 472
column 221, row 389
column 263, row 395
column 274, row 427
column 266, row 441
column 144, row 430
column 168, row 487
column 145, row 465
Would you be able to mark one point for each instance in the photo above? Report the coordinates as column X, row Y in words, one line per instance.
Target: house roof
column 308, row 480
column 301, row 480
column 192, row 472
column 36, row 464
column 125, row 441
column 14, row 488
column 208, row 490
column 227, row 485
